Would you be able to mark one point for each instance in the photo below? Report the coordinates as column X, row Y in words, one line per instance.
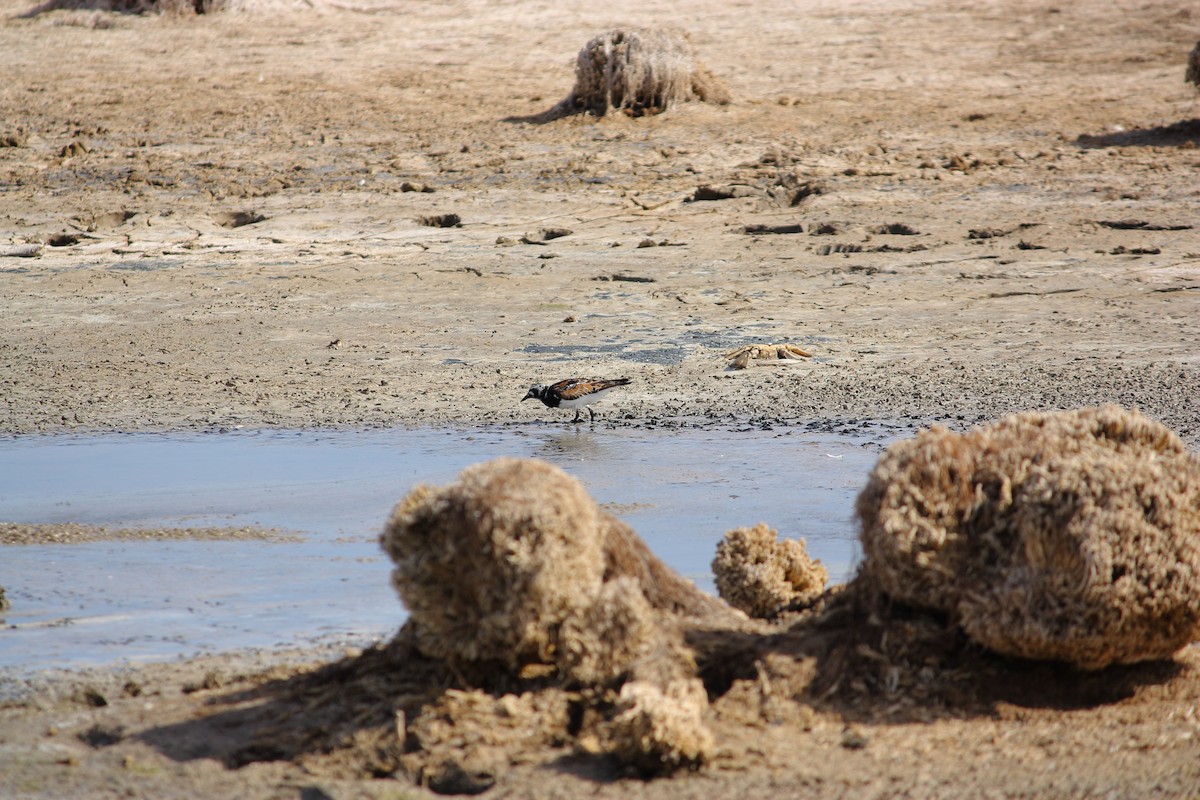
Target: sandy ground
column 216, row 221
column 1034, row 126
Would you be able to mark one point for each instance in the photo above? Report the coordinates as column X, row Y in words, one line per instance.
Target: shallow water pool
column 117, row 601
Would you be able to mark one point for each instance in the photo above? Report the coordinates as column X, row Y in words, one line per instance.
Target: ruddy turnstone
column 574, row 393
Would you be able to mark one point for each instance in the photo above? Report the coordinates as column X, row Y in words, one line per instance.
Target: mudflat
column 354, row 216
column 994, row 206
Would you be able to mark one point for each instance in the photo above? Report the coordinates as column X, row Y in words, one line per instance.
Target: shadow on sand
column 1185, row 133
column 853, row 655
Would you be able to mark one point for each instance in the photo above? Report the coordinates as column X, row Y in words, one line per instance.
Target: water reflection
column 576, row 444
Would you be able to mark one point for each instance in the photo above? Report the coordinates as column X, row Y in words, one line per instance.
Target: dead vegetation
column 639, row 72
column 187, row 8
column 549, row 574
column 855, row 656
column 762, row 576
column 661, row 729
column 515, row 571
column 528, row 537
column 1070, row 536
column 171, row 7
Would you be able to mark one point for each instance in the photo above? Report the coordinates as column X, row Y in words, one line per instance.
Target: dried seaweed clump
column 1193, row 67
column 640, row 72
column 490, row 566
column 615, row 635
column 1072, row 536
column 762, row 576
column 661, row 729
column 461, row 743
column 166, row 7
column 514, row 570
column 514, row 564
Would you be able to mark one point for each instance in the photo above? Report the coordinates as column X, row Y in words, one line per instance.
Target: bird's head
column 534, row 393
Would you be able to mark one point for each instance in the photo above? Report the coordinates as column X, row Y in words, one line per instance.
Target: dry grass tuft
column 762, row 576
column 639, row 72
column 1072, row 536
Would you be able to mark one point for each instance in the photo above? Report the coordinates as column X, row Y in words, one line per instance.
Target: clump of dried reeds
column 762, row 576
column 1072, row 536
column 640, row 72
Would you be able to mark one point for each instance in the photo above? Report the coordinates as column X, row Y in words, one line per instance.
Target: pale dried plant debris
column 489, row 567
column 514, row 569
column 515, row 565
column 661, row 729
column 601, row 645
column 640, row 71
column 763, row 576
column 1071, row 536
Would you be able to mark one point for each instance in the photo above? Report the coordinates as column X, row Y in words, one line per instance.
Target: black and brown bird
column 574, row 393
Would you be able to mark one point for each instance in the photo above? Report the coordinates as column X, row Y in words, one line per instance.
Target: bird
column 574, row 393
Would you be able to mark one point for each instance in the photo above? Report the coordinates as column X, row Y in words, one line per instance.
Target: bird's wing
column 575, row 388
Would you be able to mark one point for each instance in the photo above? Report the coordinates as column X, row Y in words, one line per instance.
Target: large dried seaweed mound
column 1072, row 536
column 516, row 570
column 762, row 576
column 489, row 567
column 492, row 566
column 640, row 72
